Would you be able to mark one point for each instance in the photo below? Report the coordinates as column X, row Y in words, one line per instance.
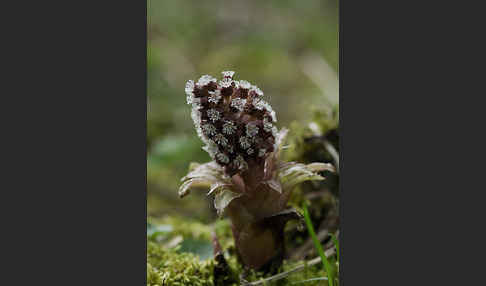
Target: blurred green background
column 287, row 48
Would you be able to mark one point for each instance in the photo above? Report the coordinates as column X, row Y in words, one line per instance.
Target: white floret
column 258, row 91
column 208, row 129
column 205, row 80
column 228, row 74
column 259, row 104
column 221, row 140
column 275, row 135
column 241, row 163
column 251, row 129
column 196, row 117
column 274, row 116
column 222, row 158
column 238, row 103
column 195, row 101
column 229, row 127
column 189, row 87
column 262, row 152
column 269, row 108
column 245, row 142
column 267, row 126
column 274, row 132
column 226, row 82
column 244, row 84
column 214, row 96
column 213, row 115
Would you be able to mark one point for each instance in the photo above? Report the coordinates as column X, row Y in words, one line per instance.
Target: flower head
column 235, row 118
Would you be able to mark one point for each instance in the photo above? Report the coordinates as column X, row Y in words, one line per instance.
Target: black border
column 341, row 138
column 76, row 207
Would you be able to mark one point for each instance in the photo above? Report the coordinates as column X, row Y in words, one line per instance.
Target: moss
column 308, row 273
column 153, row 276
column 166, row 267
column 305, row 140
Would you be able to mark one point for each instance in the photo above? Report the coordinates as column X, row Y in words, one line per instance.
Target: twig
column 282, row 275
column 310, row 280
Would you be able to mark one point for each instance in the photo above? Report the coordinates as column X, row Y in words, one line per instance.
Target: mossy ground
column 167, row 265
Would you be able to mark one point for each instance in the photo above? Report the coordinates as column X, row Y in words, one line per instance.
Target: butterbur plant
column 249, row 182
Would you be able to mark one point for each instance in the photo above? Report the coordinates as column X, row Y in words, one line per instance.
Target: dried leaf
column 302, row 178
column 217, row 186
column 274, row 185
column 316, row 167
column 184, row 188
column 210, row 169
column 207, row 175
column 223, row 198
column 292, row 173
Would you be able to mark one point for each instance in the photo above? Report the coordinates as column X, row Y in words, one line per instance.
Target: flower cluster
column 249, row 181
column 233, row 120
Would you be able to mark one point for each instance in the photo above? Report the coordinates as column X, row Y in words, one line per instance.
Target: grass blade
column 318, row 246
column 336, row 243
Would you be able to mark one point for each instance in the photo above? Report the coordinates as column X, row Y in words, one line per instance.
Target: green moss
column 308, row 273
column 167, row 267
column 305, row 140
column 153, row 276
